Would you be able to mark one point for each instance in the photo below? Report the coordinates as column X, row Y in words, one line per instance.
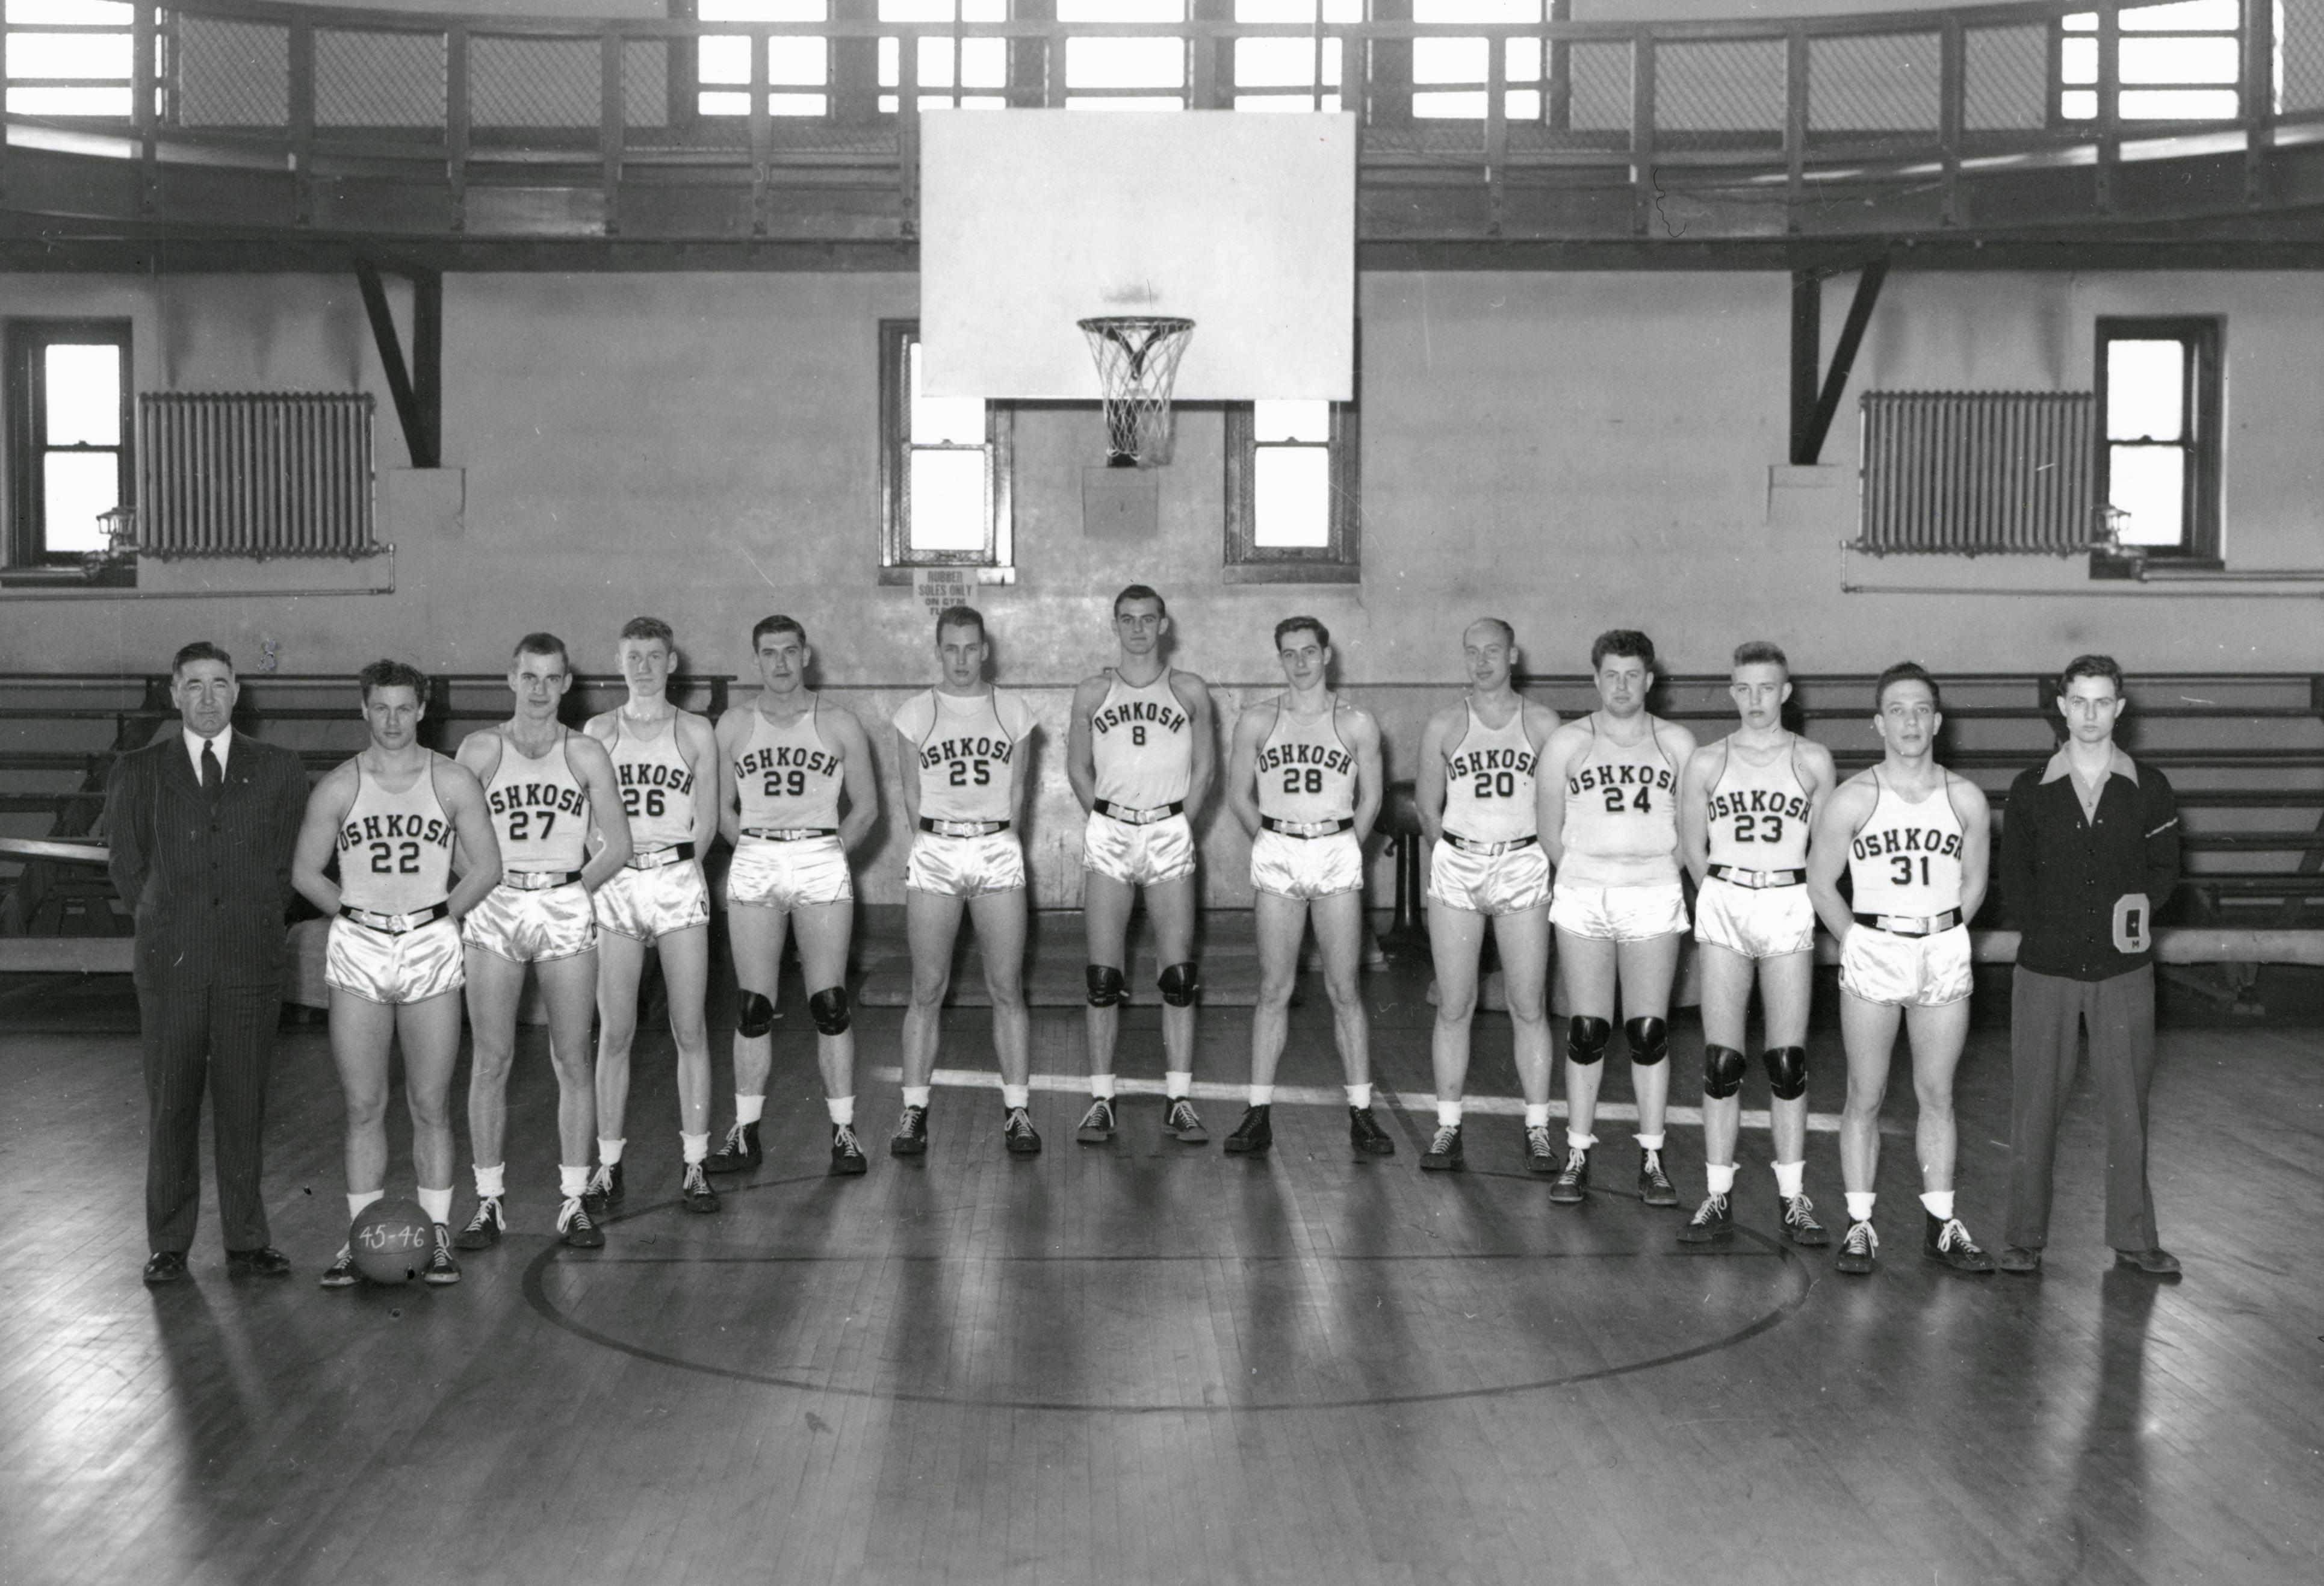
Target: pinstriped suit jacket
column 208, row 883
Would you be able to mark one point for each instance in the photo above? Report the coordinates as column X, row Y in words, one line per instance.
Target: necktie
column 213, row 777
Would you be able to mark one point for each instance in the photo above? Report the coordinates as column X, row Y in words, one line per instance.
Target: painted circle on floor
column 1164, row 1286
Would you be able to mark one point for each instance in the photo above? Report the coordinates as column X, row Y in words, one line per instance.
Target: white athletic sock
column 357, row 1203
column 1721, row 1175
column 572, row 1180
column 1788, row 1176
column 1940, row 1203
column 1358, row 1096
column 609, row 1152
column 1859, row 1205
column 750, row 1108
column 1262, row 1095
column 437, row 1204
column 1178, row 1083
column 1015, row 1096
column 1536, row 1115
column 1448, row 1114
column 1579, row 1142
column 696, row 1147
column 842, row 1109
column 1650, row 1142
column 916, row 1096
column 1101, row 1087
column 490, row 1181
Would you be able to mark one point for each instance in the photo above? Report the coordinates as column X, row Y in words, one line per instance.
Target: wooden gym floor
column 1148, row 1363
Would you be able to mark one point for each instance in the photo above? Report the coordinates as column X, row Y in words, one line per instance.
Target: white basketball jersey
column 1489, row 781
column 1143, row 742
column 657, row 785
column 539, row 808
column 1306, row 774
column 964, row 746
column 786, row 779
column 1906, row 858
column 1621, row 813
column 1759, row 813
column 395, row 849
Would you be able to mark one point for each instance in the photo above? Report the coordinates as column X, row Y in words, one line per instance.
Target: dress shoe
column 2018, row 1259
column 266, row 1261
column 166, row 1267
column 2157, row 1262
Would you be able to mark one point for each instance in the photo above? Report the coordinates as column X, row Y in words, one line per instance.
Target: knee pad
column 755, row 1015
column 828, row 1009
column 1107, row 988
column 1178, row 983
column 1722, row 1071
column 1787, row 1071
column 1586, row 1038
column 1649, row 1041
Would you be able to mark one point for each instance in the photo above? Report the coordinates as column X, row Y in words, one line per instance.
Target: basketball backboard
column 1034, row 220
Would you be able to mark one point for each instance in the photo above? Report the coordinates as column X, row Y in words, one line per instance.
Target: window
column 1124, row 72
column 68, row 457
column 2178, row 61
column 1292, row 514
column 2159, row 409
column 1290, row 73
column 68, row 57
column 950, row 70
column 799, row 68
column 944, row 469
column 1449, row 75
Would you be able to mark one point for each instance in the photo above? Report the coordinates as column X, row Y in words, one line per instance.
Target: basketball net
column 1137, row 365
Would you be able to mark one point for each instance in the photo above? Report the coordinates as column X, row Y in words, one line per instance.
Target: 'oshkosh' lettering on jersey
column 1331, row 757
column 1906, row 858
column 786, row 757
column 1129, row 712
column 1758, row 801
column 786, row 778
column 539, row 807
column 996, row 750
column 1489, row 781
column 1520, row 761
column 1621, row 812
column 1306, row 774
column 1906, row 840
column 431, row 831
column 963, row 744
column 657, row 785
column 1758, row 811
column 1141, row 745
column 1627, row 777
column 510, row 799
column 395, row 849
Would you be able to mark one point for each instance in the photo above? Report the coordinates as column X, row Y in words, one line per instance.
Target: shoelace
column 1953, row 1236
column 843, row 1140
column 1575, row 1161
column 601, row 1182
column 440, row 1255
column 735, row 1144
column 1712, row 1209
column 698, row 1180
column 1799, row 1211
column 488, row 1211
column 1653, row 1167
column 1861, row 1240
column 1441, row 1144
column 571, row 1212
column 908, row 1123
column 1181, row 1112
column 1019, row 1122
column 1100, row 1111
column 1538, row 1142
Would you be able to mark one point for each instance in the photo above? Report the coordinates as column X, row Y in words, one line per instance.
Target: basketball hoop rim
column 1097, row 325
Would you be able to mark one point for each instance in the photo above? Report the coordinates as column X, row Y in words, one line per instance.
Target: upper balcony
column 780, row 130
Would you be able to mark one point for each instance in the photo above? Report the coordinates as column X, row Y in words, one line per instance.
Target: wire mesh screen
column 2302, row 43
column 1721, row 95
column 2005, row 79
column 645, row 82
column 1890, row 82
column 231, row 73
column 1601, row 79
column 378, row 80
column 532, row 82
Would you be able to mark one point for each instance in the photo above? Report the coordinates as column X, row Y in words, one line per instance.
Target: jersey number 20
column 1494, row 785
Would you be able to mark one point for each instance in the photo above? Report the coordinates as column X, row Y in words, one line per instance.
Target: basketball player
column 1480, row 805
column 964, row 792
column 549, row 789
column 1139, row 755
column 1305, row 781
column 392, row 815
column 1746, row 806
column 1609, row 816
column 783, row 761
column 1915, row 839
column 658, row 902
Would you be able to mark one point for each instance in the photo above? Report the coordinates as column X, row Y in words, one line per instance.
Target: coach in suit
column 2090, row 849
column 201, row 825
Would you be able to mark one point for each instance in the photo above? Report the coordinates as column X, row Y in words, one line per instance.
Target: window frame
column 26, row 398
column 831, row 88
column 2204, row 336
column 996, row 563
column 1338, row 561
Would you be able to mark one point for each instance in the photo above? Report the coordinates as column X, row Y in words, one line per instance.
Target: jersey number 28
column 1309, row 781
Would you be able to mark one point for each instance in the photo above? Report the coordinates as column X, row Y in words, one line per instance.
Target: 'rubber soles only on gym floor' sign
column 940, row 588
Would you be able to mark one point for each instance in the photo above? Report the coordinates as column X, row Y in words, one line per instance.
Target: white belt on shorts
column 538, row 881
column 1307, row 828
column 1138, row 817
column 661, row 858
column 944, row 828
column 395, row 925
column 1906, row 925
column 1759, row 880
column 789, row 834
column 1489, row 850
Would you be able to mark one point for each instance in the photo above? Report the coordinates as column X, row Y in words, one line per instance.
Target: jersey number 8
column 652, row 800
column 1313, row 780
column 386, row 861
column 1643, row 801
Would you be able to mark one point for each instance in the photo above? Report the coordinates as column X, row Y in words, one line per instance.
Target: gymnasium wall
column 1572, row 451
